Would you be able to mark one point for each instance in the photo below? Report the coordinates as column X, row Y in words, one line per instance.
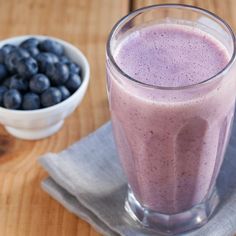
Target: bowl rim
column 85, row 79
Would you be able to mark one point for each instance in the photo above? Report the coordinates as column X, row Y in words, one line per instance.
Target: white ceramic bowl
column 41, row 123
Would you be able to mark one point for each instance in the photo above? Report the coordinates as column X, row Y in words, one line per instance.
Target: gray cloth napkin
column 87, row 179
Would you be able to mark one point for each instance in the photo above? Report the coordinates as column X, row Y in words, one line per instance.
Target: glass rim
column 170, row 5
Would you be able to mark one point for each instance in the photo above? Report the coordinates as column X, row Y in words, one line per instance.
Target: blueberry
column 52, row 46
column 30, row 42
column 7, row 48
column 49, row 70
column 39, row 83
column 31, row 45
column 74, row 68
column 9, row 62
column 48, row 57
column 45, row 59
column 21, row 53
column 17, row 82
column 33, row 51
column 3, row 72
column 13, row 57
column 65, row 93
column 31, row 101
column 73, row 83
column 27, row 67
column 54, row 57
column 12, row 99
column 64, row 59
column 51, row 97
column 58, row 73
column 3, row 89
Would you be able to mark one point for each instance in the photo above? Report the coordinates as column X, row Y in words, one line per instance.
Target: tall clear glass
column 171, row 149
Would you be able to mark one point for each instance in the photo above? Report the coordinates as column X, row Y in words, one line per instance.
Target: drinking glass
column 171, row 140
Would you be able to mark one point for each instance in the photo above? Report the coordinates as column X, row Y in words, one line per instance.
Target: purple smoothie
column 171, row 142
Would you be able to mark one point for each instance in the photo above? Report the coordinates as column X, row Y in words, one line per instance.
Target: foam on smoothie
column 170, row 55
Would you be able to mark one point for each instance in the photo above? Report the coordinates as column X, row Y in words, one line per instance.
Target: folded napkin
column 87, row 179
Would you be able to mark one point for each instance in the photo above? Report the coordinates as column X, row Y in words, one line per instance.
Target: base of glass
column 171, row 224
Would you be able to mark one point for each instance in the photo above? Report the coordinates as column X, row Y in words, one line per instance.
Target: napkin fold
column 87, row 179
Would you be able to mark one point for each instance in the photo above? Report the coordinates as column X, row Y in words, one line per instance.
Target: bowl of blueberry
column 42, row 81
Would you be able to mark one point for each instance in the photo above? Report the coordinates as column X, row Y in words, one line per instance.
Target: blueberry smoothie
column 171, row 138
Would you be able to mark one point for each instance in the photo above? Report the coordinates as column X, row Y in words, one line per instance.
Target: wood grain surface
column 24, row 208
column 225, row 9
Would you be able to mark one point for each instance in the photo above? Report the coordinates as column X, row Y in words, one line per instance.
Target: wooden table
column 24, row 208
